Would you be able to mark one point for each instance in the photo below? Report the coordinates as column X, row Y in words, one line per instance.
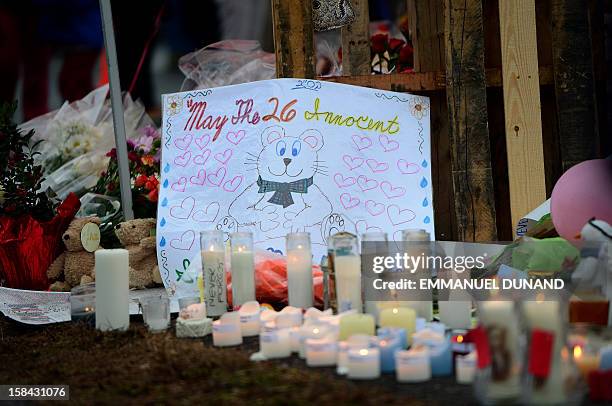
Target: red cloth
column 540, row 353
column 28, row 247
column 479, row 337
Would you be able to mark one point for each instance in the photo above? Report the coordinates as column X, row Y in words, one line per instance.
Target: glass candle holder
column 83, row 304
column 213, row 270
column 347, row 270
column 242, row 268
column 417, row 243
column 374, row 243
column 299, row 270
column 156, row 313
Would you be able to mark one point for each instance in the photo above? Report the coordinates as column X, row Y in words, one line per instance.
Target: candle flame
column 211, row 248
column 315, row 330
column 363, row 352
column 395, row 310
column 459, row 338
column 577, row 352
column 239, row 249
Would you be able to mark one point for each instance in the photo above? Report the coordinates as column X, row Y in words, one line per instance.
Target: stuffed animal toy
column 135, row 236
column 75, row 265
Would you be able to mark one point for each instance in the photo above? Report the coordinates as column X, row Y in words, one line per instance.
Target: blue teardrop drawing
column 165, row 202
column 424, row 164
column 425, row 202
column 162, row 242
column 166, row 183
column 167, row 168
column 426, row 220
column 162, row 222
column 424, row 183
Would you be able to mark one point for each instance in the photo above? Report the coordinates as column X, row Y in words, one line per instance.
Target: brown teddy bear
column 135, row 236
column 76, row 265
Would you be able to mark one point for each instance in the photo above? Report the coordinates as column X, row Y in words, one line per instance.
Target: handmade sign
column 287, row 155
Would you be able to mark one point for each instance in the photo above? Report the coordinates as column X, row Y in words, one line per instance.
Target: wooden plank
column 522, row 106
column 356, row 41
column 467, row 106
column 574, row 84
column 293, row 38
column 424, row 81
column 427, row 23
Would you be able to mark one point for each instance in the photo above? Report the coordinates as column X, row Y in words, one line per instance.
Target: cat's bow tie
column 283, row 190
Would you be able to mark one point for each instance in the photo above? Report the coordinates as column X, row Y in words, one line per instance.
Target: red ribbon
column 540, row 353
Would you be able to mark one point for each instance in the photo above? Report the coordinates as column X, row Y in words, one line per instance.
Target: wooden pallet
column 512, row 94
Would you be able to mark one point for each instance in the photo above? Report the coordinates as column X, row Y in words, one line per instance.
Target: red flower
column 132, row 156
column 112, row 153
column 405, row 56
column 379, row 43
column 140, row 180
column 395, row 44
column 153, row 194
column 110, row 187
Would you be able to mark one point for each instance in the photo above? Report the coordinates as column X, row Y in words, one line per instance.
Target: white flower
column 419, row 107
column 174, row 104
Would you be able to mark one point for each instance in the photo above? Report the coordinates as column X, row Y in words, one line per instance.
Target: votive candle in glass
column 242, row 268
column 413, row 365
column 213, row 270
column 299, row 270
column 226, row 330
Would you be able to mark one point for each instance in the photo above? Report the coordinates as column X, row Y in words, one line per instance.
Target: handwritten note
column 287, row 155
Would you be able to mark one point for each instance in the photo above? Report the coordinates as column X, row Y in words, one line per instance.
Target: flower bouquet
column 390, row 55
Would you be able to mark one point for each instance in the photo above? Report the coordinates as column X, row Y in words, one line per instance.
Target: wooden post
column 522, row 106
column 467, row 106
column 356, row 42
column 293, row 38
column 574, row 85
column 426, row 20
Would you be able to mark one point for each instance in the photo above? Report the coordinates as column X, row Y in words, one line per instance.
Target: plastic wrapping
column 226, row 63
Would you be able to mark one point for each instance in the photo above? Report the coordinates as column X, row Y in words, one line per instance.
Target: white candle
column 315, row 330
column 465, row 367
column 294, row 339
column 363, row 363
column 275, row 344
column 112, row 290
column 226, row 330
column 249, row 319
column 456, row 314
column 289, row 317
column 321, row 352
column 193, row 311
column 499, row 318
column 267, row 315
column 546, row 315
column 413, row 365
column 348, row 282
column 299, row 270
column 243, row 268
column 213, row 269
column 417, row 243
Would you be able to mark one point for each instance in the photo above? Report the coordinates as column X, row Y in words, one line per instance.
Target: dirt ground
column 137, row 367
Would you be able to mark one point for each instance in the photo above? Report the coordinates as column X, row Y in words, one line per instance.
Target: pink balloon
column 581, row 193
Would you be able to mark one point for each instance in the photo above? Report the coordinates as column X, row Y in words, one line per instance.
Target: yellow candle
column 356, row 323
column 399, row 317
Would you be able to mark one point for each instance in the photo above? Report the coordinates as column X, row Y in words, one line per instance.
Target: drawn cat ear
column 271, row 134
column 313, row 138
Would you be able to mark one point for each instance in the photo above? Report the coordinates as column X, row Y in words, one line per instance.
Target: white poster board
column 286, row 155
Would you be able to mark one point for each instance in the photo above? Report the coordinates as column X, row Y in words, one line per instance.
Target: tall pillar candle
column 368, row 239
column 213, row 270
column 456, row 314
column 416, row 242
column 242, row 268
column 112, row 290
column 299, row 270
column 347, row 269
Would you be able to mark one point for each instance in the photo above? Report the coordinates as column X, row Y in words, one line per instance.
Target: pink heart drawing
column 180, row 185
column 362, row 142
column 233, row 184
column 407, row 168
column 375, row 209
column 207, row 215
column 387, row 144
column 183, row 211
column 200, row 179
column 202, row 141
column 399, row 216
column 362, row 227
column 342, row 181
column 185, row 242
column 347, row 201
column 202, row 158
column 352, row 162
column 224, row 156
column 183, row 142
column 235, row 137
column 217, row 177
column 366, row 183
column 392, row 191
column 183, row 160
column 376, row 166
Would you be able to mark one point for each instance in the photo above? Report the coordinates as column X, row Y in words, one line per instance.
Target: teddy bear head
column 72, row 236
column 132, row 231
